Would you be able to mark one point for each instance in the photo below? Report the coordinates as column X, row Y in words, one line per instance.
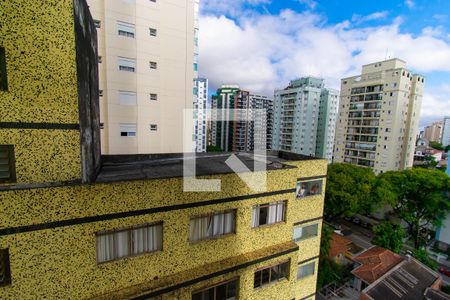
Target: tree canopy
column 419, row 197
column 350, row 190
column 436, row 145
column 389, row 236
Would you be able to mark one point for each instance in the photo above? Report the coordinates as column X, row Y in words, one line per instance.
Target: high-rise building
column 148, row 61
column 78, row 225
column 237, row 135
column 445, row 139
column 200, row 114
column 433, row 132
column 305, row 117
column 379, row 117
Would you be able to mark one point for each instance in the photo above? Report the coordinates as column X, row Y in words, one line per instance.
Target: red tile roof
column 375, row 262
column 338, row 244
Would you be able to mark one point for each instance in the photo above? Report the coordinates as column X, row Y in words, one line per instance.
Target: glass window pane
column 263, row 213
column 257, row 279
column 221, row 292
column 122, row 239
column 266, row 276
column 218, row 224
column 274, row 273
column 232, row 289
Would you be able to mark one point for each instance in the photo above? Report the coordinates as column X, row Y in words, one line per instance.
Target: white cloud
column 358, row 19
column 311, row 4
column 264, row 52
column 410, row 3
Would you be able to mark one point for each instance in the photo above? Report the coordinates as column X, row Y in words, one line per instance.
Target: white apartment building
column 305, row 117
column 379, row 117
column 200, row 114
column 147, row 66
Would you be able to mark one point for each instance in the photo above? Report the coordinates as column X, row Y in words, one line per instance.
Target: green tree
column 350, row 190
column 436, row 145
column 422, row 256
column 419, row 197
column 212, row 148
column 325, row 240
column 389, row 236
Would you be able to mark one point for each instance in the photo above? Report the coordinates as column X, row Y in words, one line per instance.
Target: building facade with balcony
column 236, row 135
column 445, row 139
column 433, row 132
column 78, row 225
column 201, row 108
column 147, row 63
column 305, row 118
column 379, row 117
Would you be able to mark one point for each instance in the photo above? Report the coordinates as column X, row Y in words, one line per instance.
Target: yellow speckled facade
column 49, row 226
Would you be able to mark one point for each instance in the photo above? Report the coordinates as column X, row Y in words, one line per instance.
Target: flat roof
column 158, row 166
column 408, row 280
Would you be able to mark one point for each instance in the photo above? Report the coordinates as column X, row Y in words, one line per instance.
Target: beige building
column 146, row 68
column 379, row 117
column 433, row 132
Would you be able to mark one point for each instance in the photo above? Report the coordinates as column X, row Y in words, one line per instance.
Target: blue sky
column 262, row 44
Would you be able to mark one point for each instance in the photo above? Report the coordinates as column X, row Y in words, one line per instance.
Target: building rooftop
column 375, row 262
column 432, row 294
column 339, row 245
column 408, row 280
column 157, row 166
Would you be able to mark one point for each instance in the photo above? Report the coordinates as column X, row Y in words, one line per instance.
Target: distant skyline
column 262, row 44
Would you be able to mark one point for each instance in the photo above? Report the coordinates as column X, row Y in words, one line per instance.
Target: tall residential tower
column 379, row 117
column 147, row 54
column 305, row 117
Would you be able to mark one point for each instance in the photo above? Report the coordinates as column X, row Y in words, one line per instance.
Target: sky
column 263, row 44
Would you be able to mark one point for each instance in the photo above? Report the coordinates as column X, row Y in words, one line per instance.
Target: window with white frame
column 128, row 129
column 116, row 244
column 306, row 270
column 153, row 65
column 268, row 213
column 308, row 188
column 154, row 97
column 127, row 98
column 126, row 29
column 126, row 64
column 153, row 127
column 153, row 31
column 211, row 226
column 305, row 232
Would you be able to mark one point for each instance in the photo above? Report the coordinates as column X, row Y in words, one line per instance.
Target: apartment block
column 379, row 117
column 201, row 108
column 305, row 117
column 433, row 132
column 445, row 139
column 147, row 63
column 235, row 135
column 79, row 225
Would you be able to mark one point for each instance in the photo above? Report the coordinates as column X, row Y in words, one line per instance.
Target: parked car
column 444, row 271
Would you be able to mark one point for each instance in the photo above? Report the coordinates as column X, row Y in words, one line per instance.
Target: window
column 271, row 274
column 153, row 97
column 3, row 77
column 128, row 129
column 306, row 270
column 97, row 23
column 309, row 188
column 99, row 59
column 126, row 29
column 127, row 98
column 195, row 67
column 305, row 232
column 126, row 64
column 7, row 164
column 153, row 127
column 122, row 243
column 100, row 93
column 153, row 65
column 153, row 31
column 102, row 125
column 222, row 291
column 211, row 226
column 5, row 273
column 268, row 213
